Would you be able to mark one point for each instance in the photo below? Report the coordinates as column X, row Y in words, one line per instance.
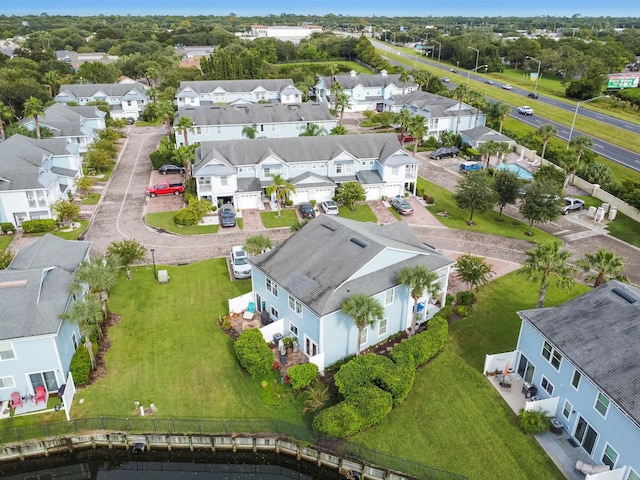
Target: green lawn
column 5, row 240
column 74, row 234
column 91, row 199
column 361, row 213
column 164, row 220
column 286, row 219
column 626, row 229
column 485, row 222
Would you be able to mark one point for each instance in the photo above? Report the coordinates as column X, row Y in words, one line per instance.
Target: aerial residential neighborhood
column 305, row 224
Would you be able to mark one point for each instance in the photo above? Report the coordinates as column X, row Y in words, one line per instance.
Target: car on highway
column 506, row 86
column 240, row 263
column 401, row 205
column 169, row 168
column 570, row 204
column 525, row 110
column 227, row 215
column 454, row 70
column 445, row 79
column 488, row 82
column 306, row 210
column 533, row 95
column 329, row 207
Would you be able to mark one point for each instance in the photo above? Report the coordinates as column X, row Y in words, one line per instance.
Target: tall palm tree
column 460, row 92
column 500, row 111
column 184, row 125
column 101, row 275
column 502, row 148
column 364, row 310
column 52, row 79
column 418, row 279
column 418, row 130
column 335, row 90
column 250, row 131
column 546, row 132
column 281, row 188
column 87, row 314
column 5, row 115
column 569, row 161
column 580, row 145
column 602, row 266
column 404, row 78
column 33, row 107
column 404, row 118
column 544, row 262
column 487, row 149
column 165, row 111
column 342, row 102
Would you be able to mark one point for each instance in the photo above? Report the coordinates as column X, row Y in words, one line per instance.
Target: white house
column 239, row 171
column 126, row 100
column 208, row 92
column 271, row 120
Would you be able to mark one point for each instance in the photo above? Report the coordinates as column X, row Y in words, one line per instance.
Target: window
column 388, row 296
column 271, row 171
column 293, row 167
column 602, row 404
column 394, row 171
column 338, row 169
column 272, row 287
column 199, row 130
column 240, row 170
column 363, row 336
column 313, row 165
column 218, row 129
column 273, row 127
column 547, row 386
column 567, row 409
column 7, row 382
column 224, row 181
column 382, row 327
column 74, row 341
column 633, row 475
column 204, row 181
column 609, row 456
column 293, row 329
column 364, row 164
column 295, row 305
column 6, row 351
column 546, row 350
column 575, row 381
column 274, row 313
column 552, row 355
column 371, row 162
column 348, row 168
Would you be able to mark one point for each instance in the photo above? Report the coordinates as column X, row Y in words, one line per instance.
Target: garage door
column 322, row 194
column 300, row 196
column 372, row 193
column 247, row 200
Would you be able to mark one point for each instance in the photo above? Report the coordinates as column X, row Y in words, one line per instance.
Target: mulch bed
column 104, row 345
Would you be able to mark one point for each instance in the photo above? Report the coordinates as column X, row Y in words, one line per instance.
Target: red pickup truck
column 165, row 188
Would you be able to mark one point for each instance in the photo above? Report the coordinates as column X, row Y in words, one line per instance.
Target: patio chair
column 41, row 395
column 16, row 400
column 248, row 313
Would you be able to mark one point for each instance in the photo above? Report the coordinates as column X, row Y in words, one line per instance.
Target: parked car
column 506, row 86
column 401, row 205
column 525, row 110
column 240, row 263
column 306, row 210
column 571, row 203
column 469, row 167
column 227, row 215
column 329, row 207
column 444, row 152
column 405, row 137
column 169, row 168
column 445, row 79
column 131, row 121
column 165, row 188
column 532, row 95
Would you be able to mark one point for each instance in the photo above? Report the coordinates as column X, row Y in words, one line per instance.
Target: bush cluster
column 80, row 366
column 462, row 310
column 253, row 353
column 533, row 421
column 7, row 227
column 38, row 226
column 302, row 375
column 467, row 298
column 186, row 216
column 420, row 348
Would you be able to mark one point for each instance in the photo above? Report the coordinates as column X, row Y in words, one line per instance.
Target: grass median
column 164, row 221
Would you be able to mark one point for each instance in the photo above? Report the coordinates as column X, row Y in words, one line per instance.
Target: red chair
column 41, row 395
column 16, row 400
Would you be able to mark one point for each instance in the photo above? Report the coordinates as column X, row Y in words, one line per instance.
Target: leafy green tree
column 34, row 107
column 349, row 193
column 66, row 210
column 364, row 310
column 128, row 251
column 52, row 79
column 507, row 187
column 473, row 270
column 541, row 203
column 5, row 258
column 418, row 279
column 404, row 78
column 165, row 111
column 281, row 188
column 97, row 160
column 545, row 262
column 602, row 266
column 486, row 150
column 313, row 130
column 87, row 314
column 499, row 111
column 546, row 132
column 100, row 275
column 250, row 131
column 5, row 116
column 184, row 126
column 549, row 174
column 475, row 193
column 257, row 244
column 404, row 118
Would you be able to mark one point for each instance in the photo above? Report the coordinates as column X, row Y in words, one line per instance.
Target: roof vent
column 328, row 227
column 358, row 242
column 621, row 292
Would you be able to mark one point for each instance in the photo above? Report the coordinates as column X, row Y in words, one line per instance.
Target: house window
column 293, row 329
column 7, row 382
column 552, row 355
column 313, row 165
column 364, row 164
column 74, row 341
column 6, row 351
column 274, row 313
column 224, row 181
column 293, row 167
column 575, row 381
column 609, row 456
column 128, row 103
column 273, row 127
column 602, row 404
column 295, row 305
column 371, row 162
column 338, row 169
column 633, row 475
column 382, row 327
column 218, row 129
column 199, row 130
column 348, row 168
column 240, row 170
column 363, row 336
column 394, row 171
column 249, row 169
column 271, row 171
column 567, row 409
column 547, row 386
column 388, row 296
column 204, row 181
column 272, row 287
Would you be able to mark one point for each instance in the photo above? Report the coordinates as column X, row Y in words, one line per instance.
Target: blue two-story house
column 239, row 171
column 585, row 356
column 302, row 283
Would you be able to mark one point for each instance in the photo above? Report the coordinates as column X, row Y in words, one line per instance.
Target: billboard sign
column 623, row 81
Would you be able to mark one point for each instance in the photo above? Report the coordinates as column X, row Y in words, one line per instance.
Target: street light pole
column 439, row 48
column 153, row 258
column 535, row 89
column 575, row 114
column 477, row 56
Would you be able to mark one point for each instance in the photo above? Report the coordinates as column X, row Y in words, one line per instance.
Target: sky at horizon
column 566, row 8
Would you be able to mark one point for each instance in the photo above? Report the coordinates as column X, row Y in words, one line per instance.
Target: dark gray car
column 227, row 216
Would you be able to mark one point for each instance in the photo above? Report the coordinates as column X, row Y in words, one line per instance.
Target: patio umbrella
column 506, row 370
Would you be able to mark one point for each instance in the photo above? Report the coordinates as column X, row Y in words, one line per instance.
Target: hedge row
column 7, row 227
column 253, row 353
column 80, row 366
column 38, row 226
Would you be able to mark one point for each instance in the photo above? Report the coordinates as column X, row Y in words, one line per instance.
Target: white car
column 330, row 207
column 240, row 263
column 506, row 86
column 445, row 79
column 525, row 110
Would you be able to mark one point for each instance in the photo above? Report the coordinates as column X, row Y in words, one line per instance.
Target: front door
column 259, row 303
column 526, row 369
column 310, row 347
column 586, row 435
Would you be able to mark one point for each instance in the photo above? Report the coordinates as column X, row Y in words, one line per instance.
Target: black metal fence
column 181, row 426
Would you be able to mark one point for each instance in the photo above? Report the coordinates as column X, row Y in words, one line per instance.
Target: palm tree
column 478, row 102
column 487, row 149
column 52, row 79
column 569, row 161
column 500, row 111
column 364, row 310
column 580, row 145
column 460, row 92
column 404, row 118
column 546, row 131
column 101, row 275
column 151, row 75
column 184, row 156
column 165, row 111
column 335, row 90
column 418, row 279
column 418, row 130
column 87, row 314
column 502, row 148
column 313, row 130
column 257, row 244
column 602, row 266
column 342, row 102
column 33, row 107
column 404, row 78
column 339, row 130
column 544, row 262
column 184, row 125
column 250, row 131
column 128, row 251
column 281, row 188
column 5, row 114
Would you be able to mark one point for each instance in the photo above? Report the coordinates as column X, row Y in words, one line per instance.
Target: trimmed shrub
column 185, row 216
column 288, row 202
column 253, row 353
column 425, row 345
column 7, row 227
column 38, row 226
column 80, row 366
column 445, row 312
column 466, row 298
column 301, row 376
column 449, row 299
column 462, row 310
column 533, row 421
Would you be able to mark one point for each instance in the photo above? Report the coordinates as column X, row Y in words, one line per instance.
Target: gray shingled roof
column 86, row 90
column 51, row 251
column 599, row 333
column 366, row 80
column 317, row 264
column 208, row 86
column 63, row 121
column 249, row 114
column 21, row 161
column 90, row 111
column 483, row 134
column 385, row 147
column 438, row 105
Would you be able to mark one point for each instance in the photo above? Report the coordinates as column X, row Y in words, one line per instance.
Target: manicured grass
column 395, row 213
column 143, row 123
column 91, row 199
column 240, row 223
column 74, row 234
column 453, row 417
column 164, row 220
column 362, row 213
column 286, row 219
column 5, row 240
column 626, row 229
column 485, row 222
